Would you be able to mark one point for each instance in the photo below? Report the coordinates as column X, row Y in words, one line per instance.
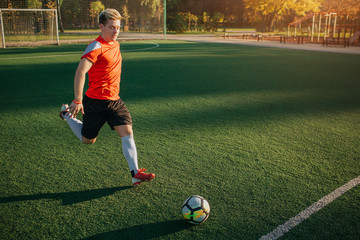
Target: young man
column 101, row 103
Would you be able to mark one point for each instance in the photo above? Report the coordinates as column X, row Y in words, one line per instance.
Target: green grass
column 71, row 36
column 261, row 133
column 62, row 36
column 29, row 37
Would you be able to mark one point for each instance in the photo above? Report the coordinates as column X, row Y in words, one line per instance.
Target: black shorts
column 97, row 112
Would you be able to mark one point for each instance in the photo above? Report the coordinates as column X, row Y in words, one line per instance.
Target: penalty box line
column 293, row 222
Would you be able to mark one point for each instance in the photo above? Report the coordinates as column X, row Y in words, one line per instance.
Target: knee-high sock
column 75, row 125
column 129, row 151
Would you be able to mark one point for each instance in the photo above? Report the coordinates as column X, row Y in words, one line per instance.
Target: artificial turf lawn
column 261, row 133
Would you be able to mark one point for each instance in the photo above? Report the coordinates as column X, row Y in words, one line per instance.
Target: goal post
column 24, row 27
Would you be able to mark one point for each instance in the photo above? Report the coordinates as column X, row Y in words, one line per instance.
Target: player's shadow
column 145, row 231
column 67, row 198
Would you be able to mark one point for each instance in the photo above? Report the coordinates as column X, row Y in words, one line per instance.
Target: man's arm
column 79, row 82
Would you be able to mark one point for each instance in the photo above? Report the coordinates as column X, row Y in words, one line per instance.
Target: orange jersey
column 104, row 75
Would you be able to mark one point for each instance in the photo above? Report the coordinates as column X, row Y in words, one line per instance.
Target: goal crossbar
column 27, row 10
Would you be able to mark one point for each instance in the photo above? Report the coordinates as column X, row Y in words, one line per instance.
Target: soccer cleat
column 141, row 176
column 64, row 109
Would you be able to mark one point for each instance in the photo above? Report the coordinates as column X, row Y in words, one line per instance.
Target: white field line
column 46, row 56
column 292, row 222
column 72, row 54
column 144, row 49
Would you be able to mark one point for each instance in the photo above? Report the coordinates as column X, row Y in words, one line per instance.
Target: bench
column 333, row 41
column 297, row 39
column 346, row 42
column 353, row 39
column 244, row 34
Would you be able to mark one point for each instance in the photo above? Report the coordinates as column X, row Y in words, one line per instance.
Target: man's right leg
column 75, row 124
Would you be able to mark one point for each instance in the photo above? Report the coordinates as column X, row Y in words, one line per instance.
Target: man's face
column 110, row 31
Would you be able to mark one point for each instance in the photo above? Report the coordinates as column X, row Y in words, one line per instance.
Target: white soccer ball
column 196, row 209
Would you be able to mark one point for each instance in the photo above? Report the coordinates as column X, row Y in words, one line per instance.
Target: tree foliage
column 153, row 4
column 125, row 14
column 35, row 4
column 270, row 10
column 352, row 6
column 185, row 15
column 190, row 18
column 95, row 9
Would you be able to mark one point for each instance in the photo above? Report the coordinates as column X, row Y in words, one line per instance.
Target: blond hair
column 107, row 14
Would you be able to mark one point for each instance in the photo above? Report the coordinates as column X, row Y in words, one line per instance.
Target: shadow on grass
column 67, row 198
column 145, row 231
column 198, row 71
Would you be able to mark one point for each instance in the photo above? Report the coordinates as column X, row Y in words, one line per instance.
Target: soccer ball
column 196, row 209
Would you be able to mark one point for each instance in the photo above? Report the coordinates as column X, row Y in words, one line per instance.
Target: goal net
column 28, row 27
column 34, row 22
column 141, row 19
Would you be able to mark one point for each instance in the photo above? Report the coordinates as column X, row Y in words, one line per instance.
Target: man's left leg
column 128, row 146
column 130, row 153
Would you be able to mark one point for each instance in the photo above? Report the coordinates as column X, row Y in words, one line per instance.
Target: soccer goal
column 28, row 27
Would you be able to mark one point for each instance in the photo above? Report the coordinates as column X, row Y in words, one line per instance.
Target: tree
column 95, row 9
column 51, row 4
column 153, row 4
column 72, row 16
column 269, row 10
column 189, row 17
column 352, row 6
column 177, row 23
column 232, row 10
column 126, row 15
column 216, row 19
column 159, row 13
column 206, row 21
column 35, row 4
column 58, row 4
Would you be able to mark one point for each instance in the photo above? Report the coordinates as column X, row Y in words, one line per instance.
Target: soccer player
column 101, row 103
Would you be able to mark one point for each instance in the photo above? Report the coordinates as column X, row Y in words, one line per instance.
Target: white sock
column 129, row 151
column 75, row 125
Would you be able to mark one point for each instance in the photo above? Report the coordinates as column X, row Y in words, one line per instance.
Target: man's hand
column 74, row 109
